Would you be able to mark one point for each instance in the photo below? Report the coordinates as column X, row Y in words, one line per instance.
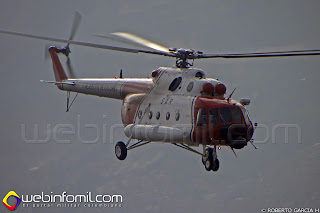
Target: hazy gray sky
column 160, row 177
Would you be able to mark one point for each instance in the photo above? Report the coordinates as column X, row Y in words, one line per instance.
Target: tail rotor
column 66, row 50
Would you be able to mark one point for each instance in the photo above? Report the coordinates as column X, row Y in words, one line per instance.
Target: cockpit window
column 246, row 116
column 202, row 117
column 225, row 115
column 175, row 83
column 213, row 117
column 237, row 115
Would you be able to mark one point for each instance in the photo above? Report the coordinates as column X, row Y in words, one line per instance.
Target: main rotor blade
column 75, row 24
column 121, row 40
column 263, row 54
column 141, row 41
column 87, row 44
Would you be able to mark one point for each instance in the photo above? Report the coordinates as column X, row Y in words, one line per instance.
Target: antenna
column 231, row 94
column 233, row 152
column 121, row 73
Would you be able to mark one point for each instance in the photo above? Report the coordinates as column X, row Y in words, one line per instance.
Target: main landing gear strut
column 209, row 155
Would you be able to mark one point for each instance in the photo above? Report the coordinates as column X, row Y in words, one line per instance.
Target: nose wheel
column 210, row 159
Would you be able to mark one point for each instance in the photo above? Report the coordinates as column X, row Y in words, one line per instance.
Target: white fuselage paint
column 162, row 115
column 105, row 87
column 175, row 108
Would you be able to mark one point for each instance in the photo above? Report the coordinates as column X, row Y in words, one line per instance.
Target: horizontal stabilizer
column 56, row 82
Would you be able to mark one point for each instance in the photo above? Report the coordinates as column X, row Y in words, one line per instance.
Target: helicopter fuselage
column 176, row 105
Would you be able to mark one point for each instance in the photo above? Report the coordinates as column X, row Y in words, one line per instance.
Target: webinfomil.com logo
column 5, row 200
column 64, row 200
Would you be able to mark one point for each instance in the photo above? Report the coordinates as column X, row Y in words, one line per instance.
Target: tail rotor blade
column 74, row 29
column 70, row 69
column 75, row 24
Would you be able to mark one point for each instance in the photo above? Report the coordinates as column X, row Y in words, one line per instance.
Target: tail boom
column 103, row 87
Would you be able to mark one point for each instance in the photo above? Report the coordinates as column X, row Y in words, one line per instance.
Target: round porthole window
column 168, row 115
column 177, row 116
column 190, row 86
column 158, row 115
column 150, row 114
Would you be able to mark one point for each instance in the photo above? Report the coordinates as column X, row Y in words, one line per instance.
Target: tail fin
column 59, row 72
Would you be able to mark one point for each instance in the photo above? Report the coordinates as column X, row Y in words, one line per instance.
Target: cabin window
column 225, row 115
column 168, row 115
column 237, row 115
column 158, row 115
column 213, row 117
column 175, row 83
column 177, row 116
column 190, row 86
column 202, row 117
column 150, row 114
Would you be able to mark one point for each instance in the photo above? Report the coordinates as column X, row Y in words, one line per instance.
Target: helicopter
column 177, row 105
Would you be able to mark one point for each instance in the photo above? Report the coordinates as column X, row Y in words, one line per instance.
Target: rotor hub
column 183, row 55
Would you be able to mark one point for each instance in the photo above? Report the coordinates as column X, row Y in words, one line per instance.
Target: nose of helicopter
column 236, row 135
column 239, row 131
column 226, row 122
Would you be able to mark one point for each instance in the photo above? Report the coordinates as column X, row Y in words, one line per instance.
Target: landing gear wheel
column 207, row 155
column 216, row 165
column 121, row 150
column 208, row 164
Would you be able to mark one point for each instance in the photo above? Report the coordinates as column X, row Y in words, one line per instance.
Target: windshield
column 222, row 115
column 225, row 115
column 202, row 117
column 246, row 116
column 237, row 115
column 213, row 117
